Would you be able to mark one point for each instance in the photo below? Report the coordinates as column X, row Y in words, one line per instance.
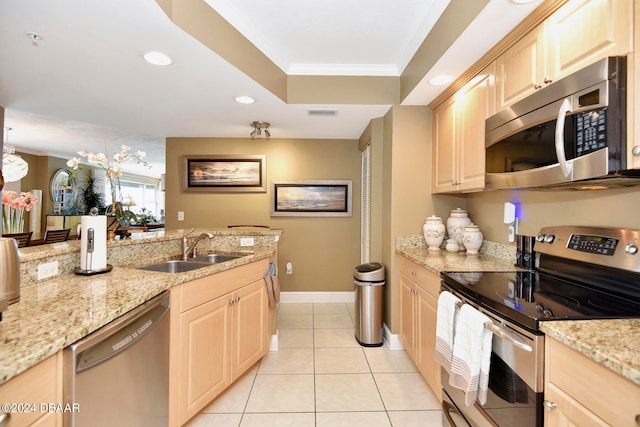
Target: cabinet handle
column 549, row 406
column 4, row 419
column 414, row 273
column 232, row 301
column 548, row 79
column 236, row 299
column 537, row 85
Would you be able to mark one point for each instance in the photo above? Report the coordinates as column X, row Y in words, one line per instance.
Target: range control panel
column 609, row 246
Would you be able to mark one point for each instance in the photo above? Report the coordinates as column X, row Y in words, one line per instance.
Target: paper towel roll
column 97, row 259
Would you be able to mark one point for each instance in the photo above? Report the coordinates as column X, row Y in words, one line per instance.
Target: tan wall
column 323, row 251
column 615, row 208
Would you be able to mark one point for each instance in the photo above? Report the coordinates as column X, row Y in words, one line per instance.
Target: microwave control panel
column 591, row 131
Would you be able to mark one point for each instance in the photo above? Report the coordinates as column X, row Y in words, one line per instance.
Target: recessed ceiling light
column 245, row 100
column 440, row 80
column 157, row 58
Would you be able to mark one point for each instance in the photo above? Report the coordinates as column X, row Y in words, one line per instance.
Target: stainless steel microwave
column 571, row 134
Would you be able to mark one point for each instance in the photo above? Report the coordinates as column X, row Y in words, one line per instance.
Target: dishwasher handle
column 120, row 334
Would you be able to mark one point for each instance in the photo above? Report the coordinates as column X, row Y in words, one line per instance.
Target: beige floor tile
column 216, row 420
column 295, row 338
column 351, row 307
column 416, row 418
column 347, row 392
column 295, row 308
column 405, row 392
column 234, row 400
column 340, row 361
column 381, row 359
column 278, row 420
column 287, row 361
column 352, row 419
column 294, row 320
column 332, row 320
column 331, row 307
column 332, row 337
column 281, row 393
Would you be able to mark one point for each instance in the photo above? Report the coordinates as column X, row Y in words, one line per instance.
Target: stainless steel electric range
column 580, row 273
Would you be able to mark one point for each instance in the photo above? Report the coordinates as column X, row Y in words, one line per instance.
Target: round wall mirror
column 63, row 191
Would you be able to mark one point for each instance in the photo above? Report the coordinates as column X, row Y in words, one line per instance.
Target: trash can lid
column 371, row 271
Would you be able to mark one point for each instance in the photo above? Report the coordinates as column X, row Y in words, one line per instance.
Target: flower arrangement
column 14, row 205
column 114, row 172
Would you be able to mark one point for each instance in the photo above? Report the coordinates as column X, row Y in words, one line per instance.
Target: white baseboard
column 392, row 341
column 317, row 297
column 274, row 342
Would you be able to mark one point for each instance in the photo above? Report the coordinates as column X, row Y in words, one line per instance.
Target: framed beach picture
column 225, row 173
column 311, row 198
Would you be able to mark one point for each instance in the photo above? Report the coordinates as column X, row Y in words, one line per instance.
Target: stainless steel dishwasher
column 119, row 374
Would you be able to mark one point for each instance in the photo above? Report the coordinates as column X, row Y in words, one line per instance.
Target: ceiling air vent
column 323, row 112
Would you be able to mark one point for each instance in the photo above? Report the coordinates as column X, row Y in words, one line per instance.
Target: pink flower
column 25, row 200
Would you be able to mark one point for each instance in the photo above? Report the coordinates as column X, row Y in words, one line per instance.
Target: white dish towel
column 471, row 355
column 445, row 321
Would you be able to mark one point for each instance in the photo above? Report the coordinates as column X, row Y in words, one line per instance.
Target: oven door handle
column 509, row 336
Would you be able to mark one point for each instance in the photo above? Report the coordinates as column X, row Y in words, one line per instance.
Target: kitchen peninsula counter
column 54, row 313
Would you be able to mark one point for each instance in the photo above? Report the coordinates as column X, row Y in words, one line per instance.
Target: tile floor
column 321, row 377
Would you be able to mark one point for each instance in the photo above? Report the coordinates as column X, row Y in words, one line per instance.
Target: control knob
column 549, row 238
column 540, row 237
column 631, row 249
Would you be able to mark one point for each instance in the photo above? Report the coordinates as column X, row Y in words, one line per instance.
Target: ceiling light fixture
column 14, row 168
column 35, row 38
column 258, row 127
column 244, row 100
column 157, row 58
column 440, row 80
column 522, row 1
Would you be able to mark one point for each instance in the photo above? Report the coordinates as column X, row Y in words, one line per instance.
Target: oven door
column 516, row 378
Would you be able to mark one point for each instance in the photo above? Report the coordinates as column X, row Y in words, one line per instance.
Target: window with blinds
column 365, row 206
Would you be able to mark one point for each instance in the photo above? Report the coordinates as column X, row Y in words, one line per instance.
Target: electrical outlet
column 47, row 269
column 180, row 216
column 246, row 241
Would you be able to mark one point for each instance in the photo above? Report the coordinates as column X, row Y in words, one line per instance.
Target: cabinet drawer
column 428, row 281
column 607, row 394
column 40, row 384
column 207, row 288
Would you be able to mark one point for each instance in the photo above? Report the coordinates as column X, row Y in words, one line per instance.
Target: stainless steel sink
column 214, row 258
column 175, row 266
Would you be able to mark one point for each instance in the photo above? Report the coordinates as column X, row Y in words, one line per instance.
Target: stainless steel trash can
column 369, row 280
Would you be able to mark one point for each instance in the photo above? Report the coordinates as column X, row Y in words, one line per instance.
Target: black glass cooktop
column 528, row 297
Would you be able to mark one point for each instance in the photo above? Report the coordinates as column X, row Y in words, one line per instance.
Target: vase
column 12, row 220
column 433, row 230
column 457, row 221
column 472, row 239
column 452, row 246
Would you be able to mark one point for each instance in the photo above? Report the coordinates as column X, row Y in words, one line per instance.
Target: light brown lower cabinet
column 581, row 392
column 39, row 385
column 419, row 291
column 218, row 332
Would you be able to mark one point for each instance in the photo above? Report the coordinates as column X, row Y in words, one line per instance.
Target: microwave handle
column 565, row 108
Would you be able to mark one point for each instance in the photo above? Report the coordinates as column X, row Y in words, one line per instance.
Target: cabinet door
column 407, row 333
column 474, row 104
column 568, row 412
column 583, row 31
column 427, row 307
column 249, row 336
column 204, row 358
column 444, row 151
column 520, row 70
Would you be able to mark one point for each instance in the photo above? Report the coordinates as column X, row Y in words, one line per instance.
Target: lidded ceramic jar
column 433, row 229
column 472, row 239
column 458, row 220
column 452, row 245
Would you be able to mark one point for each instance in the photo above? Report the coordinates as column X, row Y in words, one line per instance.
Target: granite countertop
column 55, row 313
column 614, row 343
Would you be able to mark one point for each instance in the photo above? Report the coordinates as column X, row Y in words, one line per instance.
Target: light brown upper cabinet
column 458, row 135
column 576, row 35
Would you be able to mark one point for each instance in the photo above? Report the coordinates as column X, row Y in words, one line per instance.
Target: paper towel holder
column 90, row 241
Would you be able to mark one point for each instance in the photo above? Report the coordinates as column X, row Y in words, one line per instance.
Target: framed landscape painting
column 225, row 173
column 311, row 198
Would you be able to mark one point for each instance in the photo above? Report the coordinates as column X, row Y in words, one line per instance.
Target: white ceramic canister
column 433, row 229
column 458, row 220
column 472, row 239
column 452, row 245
